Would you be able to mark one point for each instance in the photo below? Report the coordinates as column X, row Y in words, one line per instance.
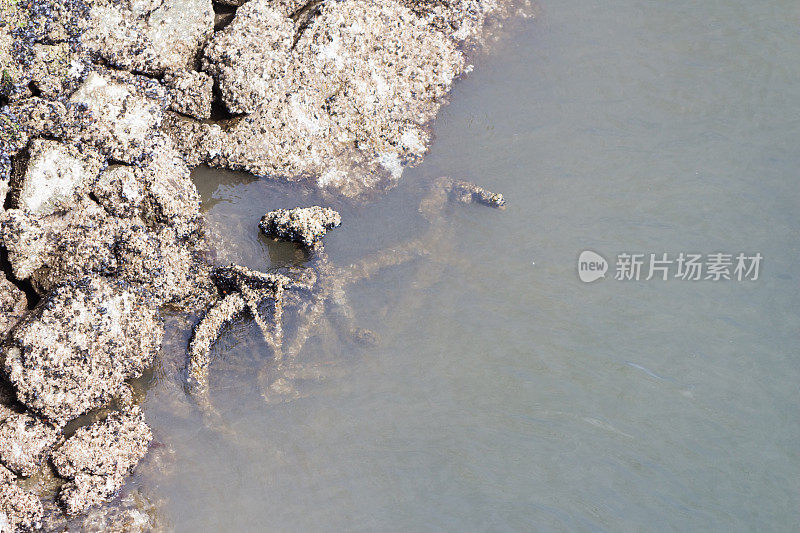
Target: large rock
column 149, row 36
column 20, row 510
column 126, row 112
column 97, row 458
column 74, row 352
column 344, row 99
column 251, row 56
column 56, row 69
column 166, row 265
column 25, row 441
column 59, row 247
column 55, row 175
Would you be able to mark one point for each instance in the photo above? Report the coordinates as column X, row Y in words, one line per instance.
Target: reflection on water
column 504, row 393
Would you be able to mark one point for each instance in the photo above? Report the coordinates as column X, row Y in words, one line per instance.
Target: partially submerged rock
column 20, row 510
column 74, row 352
column 140, row 222
column 98, row 457
column 306, row 225
column 164, row 264
column 464, row 20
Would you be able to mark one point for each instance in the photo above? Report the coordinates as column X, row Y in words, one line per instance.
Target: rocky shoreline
column 105, row 107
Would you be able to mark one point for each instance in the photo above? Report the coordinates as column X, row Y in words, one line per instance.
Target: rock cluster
column 337, row 92
column 105, row 106
column 100, row 227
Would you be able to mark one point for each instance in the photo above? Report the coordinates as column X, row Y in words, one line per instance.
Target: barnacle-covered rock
column 149, row 36
column 344, row 97
column 25, row 441
column 20, row 510
column 126, row 111
column 465, row 20
column 306, row 225
column 248, row 71
column 168, row 266
column 74, row 351
column 62, row 246
column 56, row 69
column 190, row 92
column 98, row 457
column 158, row 190
column 56, row 174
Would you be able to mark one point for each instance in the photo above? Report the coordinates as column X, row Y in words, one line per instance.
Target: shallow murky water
column 505, row 393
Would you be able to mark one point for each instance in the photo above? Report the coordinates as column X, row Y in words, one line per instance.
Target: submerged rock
column 20, row 510
column 74, row 352
column 98, row 457
column 306, row 225
column 467, row 192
